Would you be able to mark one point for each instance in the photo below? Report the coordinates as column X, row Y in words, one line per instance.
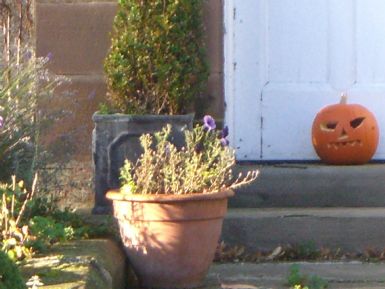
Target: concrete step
column 313, row 185
column 350, row 229
column 339, row 275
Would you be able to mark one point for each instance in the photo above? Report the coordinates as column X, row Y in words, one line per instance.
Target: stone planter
column 170, row 240
column 116, row 137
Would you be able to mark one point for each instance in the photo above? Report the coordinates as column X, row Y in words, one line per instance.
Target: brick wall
column 77, row 34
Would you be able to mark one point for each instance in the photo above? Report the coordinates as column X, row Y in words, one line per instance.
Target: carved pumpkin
column 345, row 134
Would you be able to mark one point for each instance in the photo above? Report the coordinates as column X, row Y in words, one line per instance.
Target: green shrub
column 9, row 274
column 297, row 280
column 156, row 63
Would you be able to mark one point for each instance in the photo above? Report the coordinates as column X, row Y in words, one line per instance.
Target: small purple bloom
column 92, row 94
column 28, row 55
column 225, row 132
column 209, row 123
column 49, row 56
column 199, row 147
column 222, row 136
column 224, row 142
column 167, row 150
column 1, row 121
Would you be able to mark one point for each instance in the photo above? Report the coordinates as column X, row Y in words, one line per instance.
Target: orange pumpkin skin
column 345, row 134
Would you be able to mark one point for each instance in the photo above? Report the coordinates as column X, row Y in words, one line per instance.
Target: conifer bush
column 156, row 63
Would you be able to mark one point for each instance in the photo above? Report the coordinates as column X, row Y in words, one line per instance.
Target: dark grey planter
column 116, row 138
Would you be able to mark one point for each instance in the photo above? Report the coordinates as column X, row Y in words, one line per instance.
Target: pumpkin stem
column 344, row 98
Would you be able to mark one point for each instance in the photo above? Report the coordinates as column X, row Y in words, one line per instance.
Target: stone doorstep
column 340, row 275
column 350, row 229
column 312, row 185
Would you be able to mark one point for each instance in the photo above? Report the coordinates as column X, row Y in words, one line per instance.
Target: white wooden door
column 286, row 59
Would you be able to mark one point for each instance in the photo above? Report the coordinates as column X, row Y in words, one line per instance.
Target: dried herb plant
column 203, row 165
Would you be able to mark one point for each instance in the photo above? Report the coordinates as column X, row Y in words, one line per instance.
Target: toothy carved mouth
column 352, row 143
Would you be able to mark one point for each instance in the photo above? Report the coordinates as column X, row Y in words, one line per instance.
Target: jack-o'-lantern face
column 345, row 134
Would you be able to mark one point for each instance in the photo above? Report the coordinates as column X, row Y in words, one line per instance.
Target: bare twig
column 29, row 197
column 241, row 181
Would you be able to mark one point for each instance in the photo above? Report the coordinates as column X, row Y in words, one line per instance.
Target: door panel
column 370, row 41
column 297, row 41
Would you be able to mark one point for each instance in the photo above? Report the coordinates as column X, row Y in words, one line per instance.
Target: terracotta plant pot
column 170, row 240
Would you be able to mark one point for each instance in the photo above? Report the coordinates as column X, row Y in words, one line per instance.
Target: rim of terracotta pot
column 116, row 195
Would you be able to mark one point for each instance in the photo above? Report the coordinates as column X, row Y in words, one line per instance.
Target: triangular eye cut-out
column 356, row 122
column 329, row 126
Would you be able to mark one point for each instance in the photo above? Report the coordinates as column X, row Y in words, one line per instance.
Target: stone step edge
column 312, row 185
column 330, row 212
column 349, row 229
column 334, row 272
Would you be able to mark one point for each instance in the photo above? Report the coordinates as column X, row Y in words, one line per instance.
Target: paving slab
column 339, row 275
column 312, row 185
column 84, row 264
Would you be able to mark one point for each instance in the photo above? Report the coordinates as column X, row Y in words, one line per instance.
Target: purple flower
column 224, row 142
column 1, row 121
column 209, row 123
column 199, row 147
column 28, row 55
column 49, row 56
column 222, row 136
column 167, row 150
column 225, row 132
column 92, row 94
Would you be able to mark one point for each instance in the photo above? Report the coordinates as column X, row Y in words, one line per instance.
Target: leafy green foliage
column 295, row 277
column 297, row 280
column 48, row 232
column 29, row 223
column 125, row 175
column 60, row 226
column 307, row 250
column 10, row 276
column 157, row 62
column 104, row 108
column 316, row 282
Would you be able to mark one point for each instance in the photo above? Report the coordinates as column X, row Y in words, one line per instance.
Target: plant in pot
column 156, row 69
column 171, row 205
